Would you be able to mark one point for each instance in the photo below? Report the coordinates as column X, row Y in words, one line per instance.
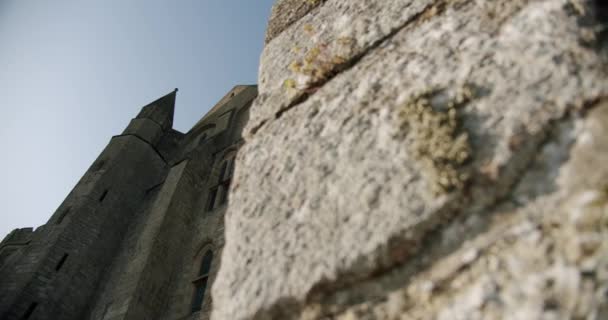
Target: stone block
column 436, row 122
column 285, row 12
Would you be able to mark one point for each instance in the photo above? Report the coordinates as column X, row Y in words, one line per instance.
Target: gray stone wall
column 126, row 242
column 424, row 160
column 59, row 270
column 152, row 276
column 207, row 229
column 14, row 241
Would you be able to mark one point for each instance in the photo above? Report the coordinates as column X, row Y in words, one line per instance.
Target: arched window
column 220, row 177
column 226, row 178
column 200, row 282
column 221, row 187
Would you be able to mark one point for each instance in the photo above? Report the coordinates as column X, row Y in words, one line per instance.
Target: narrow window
column 223, row 184
column 226, row 183
column 222, row 172
column 200, row 283
column 63, row 215
column 103, row 195
column 199, row 294
column 206, row 263
column 231, row 170
column 30, row 310
column 61, row 262
column 225, row 189
column 211, row 201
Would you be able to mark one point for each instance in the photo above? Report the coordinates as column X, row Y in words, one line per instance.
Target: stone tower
column 404, row 159
column 139, row 236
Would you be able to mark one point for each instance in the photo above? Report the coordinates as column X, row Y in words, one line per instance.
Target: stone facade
column 424, row 159
column 130, row 239
column 404, row 159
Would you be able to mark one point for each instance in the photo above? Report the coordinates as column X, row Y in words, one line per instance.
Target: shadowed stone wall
column 127, row 242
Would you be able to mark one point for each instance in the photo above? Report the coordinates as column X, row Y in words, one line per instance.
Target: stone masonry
column 423, row 159
column 400, row 159
column 140, row 235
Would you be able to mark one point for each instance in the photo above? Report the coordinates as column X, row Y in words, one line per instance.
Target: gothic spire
column 161, row 111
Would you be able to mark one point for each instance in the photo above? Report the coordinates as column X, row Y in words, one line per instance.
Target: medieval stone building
column 403, row 159
column 140, row 235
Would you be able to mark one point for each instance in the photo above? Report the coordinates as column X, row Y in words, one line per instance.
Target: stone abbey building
column 403, row 160
column 140, row 235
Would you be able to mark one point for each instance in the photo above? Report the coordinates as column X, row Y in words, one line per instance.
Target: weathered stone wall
column 57, row 273
column 127, row 243
column 152, row 275
column 424, row 159
column 15, row 240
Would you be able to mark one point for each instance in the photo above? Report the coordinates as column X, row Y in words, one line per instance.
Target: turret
column 154, row 119
column 57, row 273
column 160, row 111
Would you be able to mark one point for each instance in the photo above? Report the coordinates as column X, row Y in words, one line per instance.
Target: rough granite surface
column 542, row 253
column 450, row 165
column 286, row 12
column 317, row 46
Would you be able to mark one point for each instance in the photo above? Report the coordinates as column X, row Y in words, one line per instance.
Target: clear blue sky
column 73, row 73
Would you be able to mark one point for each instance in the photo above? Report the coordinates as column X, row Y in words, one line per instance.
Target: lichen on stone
column 287, row 12
column 319, row 62
column 316, row 64
column 429, row 121
column 585, row 228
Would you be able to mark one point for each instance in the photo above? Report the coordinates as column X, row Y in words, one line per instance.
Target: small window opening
column 231, row 169
column 200, row 283
column 225, row 189
column 61, row 262
column 199, row 294
column 222, row 172
column 206, row 264
column 103, row 195
column 30, row 310
column 211, row 201
column 63, row 215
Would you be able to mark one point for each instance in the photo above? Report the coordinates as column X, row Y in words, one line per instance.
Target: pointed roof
column 161, row 111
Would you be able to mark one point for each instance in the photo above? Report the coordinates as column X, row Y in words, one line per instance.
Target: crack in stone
column 430, row 10
column 350, row 281
column 405, row 270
